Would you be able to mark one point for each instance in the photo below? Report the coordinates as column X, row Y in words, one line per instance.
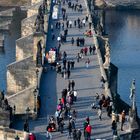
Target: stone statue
column 1, row 97
column 107, row 55
column 133, row 111
column 132, row 94
column 5, row 104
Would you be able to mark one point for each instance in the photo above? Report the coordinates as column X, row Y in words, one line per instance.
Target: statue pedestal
column 132, row 120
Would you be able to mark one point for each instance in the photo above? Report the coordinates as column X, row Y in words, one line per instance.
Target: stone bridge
column 24, row 74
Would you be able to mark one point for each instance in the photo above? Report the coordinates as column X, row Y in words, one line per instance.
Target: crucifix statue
column 133, row 124
column 132, row 94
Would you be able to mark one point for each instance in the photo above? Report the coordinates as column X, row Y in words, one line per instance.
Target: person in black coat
column 114, row 127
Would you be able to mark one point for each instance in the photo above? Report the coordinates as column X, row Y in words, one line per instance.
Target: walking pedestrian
column 72, row 64
column 102, row 81
column 68, row 65
column 72, row 40
column 51, row 27
column 90, row 25
column 26, row 126
column 85, row 124
column 59, row 39
column 100, row 114
column 65, row 74
column 73, row 84
column 74, row 114
column 90, row 50
column 67, row 24
column 61, row 126
column 74, row 134
column 88, row 131
column 69, row 85
column 114, row 127
column 78, row 57
column 70, row 23
column 86, row 18
column 68, row 73
column 75, row 95
column 49, row 129
column 84, row 22
column 63, row 25
column 32, row 136
column 53, row 36
column 69, row 129
column 93, row 49
column 78, row 41
column 109, row 109
column 79, row 134
column 122, row 119
column 75, row 23
column 87, row 63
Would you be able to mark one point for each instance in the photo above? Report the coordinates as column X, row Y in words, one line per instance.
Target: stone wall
column 35, row 1
column 24, row 47
column 10, row 134
column 21, row 75
column 4, row 118
column 22, row 100
column 33, row 9
column 27, row 27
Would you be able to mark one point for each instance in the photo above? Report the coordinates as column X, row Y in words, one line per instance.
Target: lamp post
column 35, row 100
column 14, row 110
column 17, row 138
column 27, row 112
column 37, row 73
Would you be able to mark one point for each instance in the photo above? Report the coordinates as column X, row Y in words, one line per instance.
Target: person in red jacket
column 88, row 131
column 32, row 136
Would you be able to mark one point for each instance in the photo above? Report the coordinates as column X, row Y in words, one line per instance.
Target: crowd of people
column 65, row 115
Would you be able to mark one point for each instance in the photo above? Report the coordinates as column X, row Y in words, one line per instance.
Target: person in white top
column 70, row 23
column 59, row 39
column 75, row 95
column 84, row 22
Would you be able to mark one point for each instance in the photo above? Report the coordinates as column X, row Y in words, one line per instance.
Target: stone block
column 22, row 100
column 27, row 26
column 33, row 9
column 24, row 47
column 10, row 134
column 21, row 75
column 35, row 1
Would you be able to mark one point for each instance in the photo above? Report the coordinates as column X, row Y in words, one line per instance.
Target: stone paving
column 87, row 84
column 87, row 81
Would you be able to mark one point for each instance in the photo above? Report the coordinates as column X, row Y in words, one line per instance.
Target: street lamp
column 37, row 73
column 35, row 100
column 27, row 112
column 17, row 138
column 14, row 110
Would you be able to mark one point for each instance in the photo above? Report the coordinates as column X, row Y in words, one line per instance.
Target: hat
column 123, row 110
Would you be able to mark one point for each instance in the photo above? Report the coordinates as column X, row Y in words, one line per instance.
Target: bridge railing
column 103, row 73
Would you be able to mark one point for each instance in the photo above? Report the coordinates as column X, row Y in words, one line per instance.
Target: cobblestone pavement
column 87, row 84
